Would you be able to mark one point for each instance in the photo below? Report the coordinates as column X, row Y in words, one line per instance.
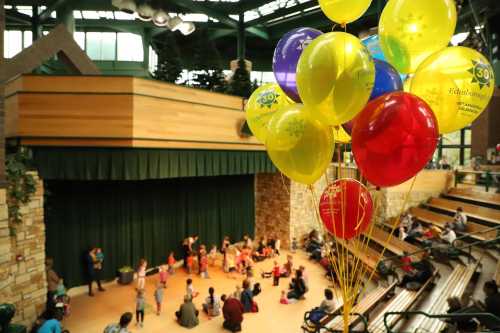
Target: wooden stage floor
column 92, row 314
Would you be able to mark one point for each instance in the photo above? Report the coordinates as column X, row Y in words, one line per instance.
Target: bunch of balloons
column 333, row 87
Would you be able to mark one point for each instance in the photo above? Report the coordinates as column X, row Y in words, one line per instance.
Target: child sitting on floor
column 287, row 267
column 171, row 263
column 283, row 299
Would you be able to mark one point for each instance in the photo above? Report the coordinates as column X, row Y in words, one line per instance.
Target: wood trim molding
column 58, row 42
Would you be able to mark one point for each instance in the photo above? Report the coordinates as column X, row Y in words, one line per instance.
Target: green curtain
column 135, row 219
column 80, row 163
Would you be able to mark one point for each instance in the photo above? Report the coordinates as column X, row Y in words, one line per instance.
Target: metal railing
column 318, row 327
column 439, row 316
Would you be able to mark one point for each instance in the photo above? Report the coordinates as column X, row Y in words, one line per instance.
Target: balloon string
column 334, row 26
column 284, row 185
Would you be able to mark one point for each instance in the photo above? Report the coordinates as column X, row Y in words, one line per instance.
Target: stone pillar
column 22, row 258
column 272, row 207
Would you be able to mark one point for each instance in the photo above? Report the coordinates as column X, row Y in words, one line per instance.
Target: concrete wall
column 22, row 258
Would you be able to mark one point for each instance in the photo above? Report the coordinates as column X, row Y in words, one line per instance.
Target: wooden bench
column 393, row 244
column 481, row 213
column 476, row 230
column 364, row 307
column 365, row 254
column 454, row 286
column 403, row 301
column 471, row 195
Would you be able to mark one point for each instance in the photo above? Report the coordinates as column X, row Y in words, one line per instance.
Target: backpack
column 316, row 315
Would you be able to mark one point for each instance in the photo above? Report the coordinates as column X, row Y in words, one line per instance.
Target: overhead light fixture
column 160, row 18
column 127, row 6
column 187, row 28
column 174, row 23
column 145, row 12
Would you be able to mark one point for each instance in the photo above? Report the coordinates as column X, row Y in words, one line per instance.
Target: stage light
column 187, row 28
column 145, row 12
column 160, row 18
column 127, row 6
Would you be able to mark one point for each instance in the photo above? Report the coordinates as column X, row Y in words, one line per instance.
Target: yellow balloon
column 262, row 105
column 344, row 11
column 335, row 77
column 412, row 30
column 457, row 83
column 407, row 83
column 299, row 145
column 341, row 135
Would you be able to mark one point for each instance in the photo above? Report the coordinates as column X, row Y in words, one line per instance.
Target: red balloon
column 498, row 147
column 393, row 138
column 346, row 208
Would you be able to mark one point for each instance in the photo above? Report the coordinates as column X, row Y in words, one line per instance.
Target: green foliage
column 21, row 184
column 169, row 61
column 208, row 62
column 240, row 84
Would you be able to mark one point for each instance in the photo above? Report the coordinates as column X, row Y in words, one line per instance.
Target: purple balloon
column 286, row 57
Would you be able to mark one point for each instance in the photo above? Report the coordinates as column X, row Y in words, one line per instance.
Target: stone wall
column 272, row 207
column 22, row 258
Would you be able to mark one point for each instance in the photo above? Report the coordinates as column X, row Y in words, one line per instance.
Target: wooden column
column 2, row 133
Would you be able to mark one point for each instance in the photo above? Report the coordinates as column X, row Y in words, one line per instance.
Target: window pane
column 108, row 46
column 467, row 156
column 28, row 38
column 452, row 155
column 13, row 43
column 130, row 47
column 79, row 37
column 451, row 138
column 467, row 137
column 101, row 45
column 93, row 46
column 153, row 60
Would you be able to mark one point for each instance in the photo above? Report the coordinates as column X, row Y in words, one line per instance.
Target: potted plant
column 125, row 275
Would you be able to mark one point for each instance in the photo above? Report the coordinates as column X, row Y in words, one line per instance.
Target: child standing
column 295, row 245
column 204, row 266
column 159, row 297
column 171, row 263
column 163, row 275
column 190, row 263
column 190, row 289
column 277, row 246
column 141, row 274
column 139, row 308
column 212, row 255
column 276, row 274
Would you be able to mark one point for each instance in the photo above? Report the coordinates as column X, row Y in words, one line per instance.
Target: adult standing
column 93, row 270
column 187, row 316
column 187, row 247
column 233, row 313
column 122, row 326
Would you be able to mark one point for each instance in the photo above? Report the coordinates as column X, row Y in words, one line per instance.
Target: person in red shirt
column 276, row 274
column 171, row 263
column 406, row 263
column 233, row 313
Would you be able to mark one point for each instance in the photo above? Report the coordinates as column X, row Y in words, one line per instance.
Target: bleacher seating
column 455, row 285
column 477, row 231
column 475, row 196
column 367, row 255
column 364, row 307
column 392, row 243
column 403, row 301
column 482, row 213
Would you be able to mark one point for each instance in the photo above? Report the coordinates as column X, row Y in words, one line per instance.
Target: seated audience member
column 212, row 304
column 386, row 270
column 329, row 305
column 53, row 281
column 424, row 271
column 406, row 220
column 297, row 286
column 313, row 241
column 287, row 267
column 459, row 222
column 121, row 327
column 406, row 263
column 187, row 316
column 232, row 311
column 415, row 231
column 448, row 235
column 458, row 324
column 256, row 289
column 53, row 324
column 247, row 298
column 491, row 305
column 402, row 232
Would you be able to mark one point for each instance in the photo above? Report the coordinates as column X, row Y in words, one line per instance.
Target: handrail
column 468, row 234
column 425, row 249
column 319, row 327
column 438, row 316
